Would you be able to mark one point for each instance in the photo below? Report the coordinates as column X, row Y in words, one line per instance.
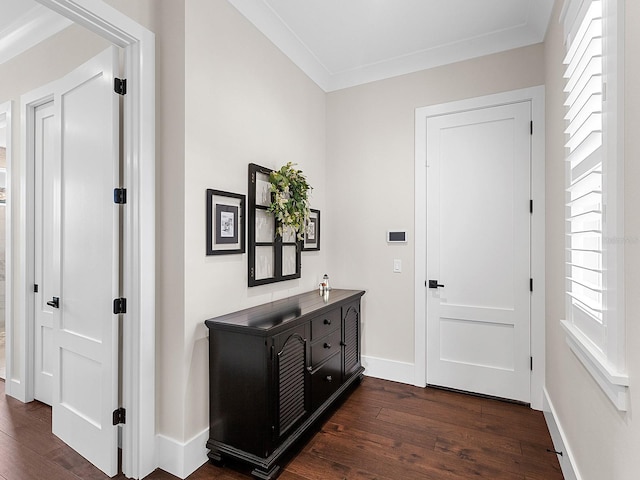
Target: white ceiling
column 25, row 23
column 342, row 43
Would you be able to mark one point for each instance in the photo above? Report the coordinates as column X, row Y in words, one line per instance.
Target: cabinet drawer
column 325, row 381
column 322, row 325
column 325, row 347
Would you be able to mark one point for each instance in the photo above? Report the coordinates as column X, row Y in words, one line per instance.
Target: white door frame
column 138, row 369
column 536, row 96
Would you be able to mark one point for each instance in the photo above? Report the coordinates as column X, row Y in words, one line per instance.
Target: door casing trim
column 536, row 96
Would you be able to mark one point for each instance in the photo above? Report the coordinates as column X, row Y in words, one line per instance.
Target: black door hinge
column 119, row 306
column 35, row 288
column 531, row 127
column 531, row 363
column 120, row 86
column 120, row 195
column 530, row 206
column 119, row 416
column 531, row 284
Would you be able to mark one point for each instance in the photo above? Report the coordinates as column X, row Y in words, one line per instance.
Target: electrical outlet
column 397, row 265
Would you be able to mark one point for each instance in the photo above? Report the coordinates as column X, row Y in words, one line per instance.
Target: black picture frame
column 225, row 222
column 271, row 257
column 311, row 240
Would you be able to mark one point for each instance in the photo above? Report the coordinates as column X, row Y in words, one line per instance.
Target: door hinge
column 531, row 127
column 120, row 195
column 119, row 416
column 35, row 288
column 119, row 306
column 531, row 284
column 530, row 206
column 120, row 86
column 531, row 363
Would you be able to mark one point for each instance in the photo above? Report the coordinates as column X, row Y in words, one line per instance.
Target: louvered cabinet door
column 351, row 339
column 292, row 382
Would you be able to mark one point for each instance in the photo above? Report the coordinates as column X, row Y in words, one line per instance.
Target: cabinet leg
column 263, row 474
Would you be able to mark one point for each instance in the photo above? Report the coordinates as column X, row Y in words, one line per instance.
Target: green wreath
column 290, row 200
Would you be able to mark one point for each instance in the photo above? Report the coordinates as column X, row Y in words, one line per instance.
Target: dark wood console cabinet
column 274, row 369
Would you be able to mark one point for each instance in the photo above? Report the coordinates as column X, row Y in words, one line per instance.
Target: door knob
column 434, row 284
column 54, row 302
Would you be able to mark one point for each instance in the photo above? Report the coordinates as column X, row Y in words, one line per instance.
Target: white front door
column 47, row 174
column 478, row 249
column 85, row 333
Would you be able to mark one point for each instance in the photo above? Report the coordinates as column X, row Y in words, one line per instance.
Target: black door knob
column 434, row 284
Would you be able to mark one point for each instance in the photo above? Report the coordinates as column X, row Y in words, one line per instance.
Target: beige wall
column 370, row 173
column 605, row 442
column 245, row 103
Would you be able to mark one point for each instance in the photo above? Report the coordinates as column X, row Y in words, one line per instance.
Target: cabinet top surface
column 263, row 318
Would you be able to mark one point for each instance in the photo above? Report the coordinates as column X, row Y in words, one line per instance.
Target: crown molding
column 266, row 20
column 36, row 25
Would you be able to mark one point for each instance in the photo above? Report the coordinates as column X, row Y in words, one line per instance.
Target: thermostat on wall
column 397, row 236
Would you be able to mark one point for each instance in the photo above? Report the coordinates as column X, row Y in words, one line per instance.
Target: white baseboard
column 567, row 461
column 182, row 459
column 388, row 369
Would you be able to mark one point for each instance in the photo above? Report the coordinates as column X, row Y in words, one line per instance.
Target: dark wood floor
column 383, row 431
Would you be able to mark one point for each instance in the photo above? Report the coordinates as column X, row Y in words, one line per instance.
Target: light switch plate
column 397, row 265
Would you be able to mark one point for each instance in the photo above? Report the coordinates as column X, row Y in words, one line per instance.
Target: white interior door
column 47, row 175
column 478, row 248
column 85, row 328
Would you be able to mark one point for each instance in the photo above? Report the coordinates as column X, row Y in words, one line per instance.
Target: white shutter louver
column 584, row 100
column 594, row 172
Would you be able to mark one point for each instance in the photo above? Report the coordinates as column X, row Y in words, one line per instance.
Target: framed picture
column 271, row 257
column 225, row 222
column 311, row 241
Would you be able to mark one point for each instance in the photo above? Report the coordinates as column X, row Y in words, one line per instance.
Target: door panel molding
column 536, row 96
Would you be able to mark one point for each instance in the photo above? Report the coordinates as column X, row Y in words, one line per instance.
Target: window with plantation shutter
column 584, row 86
column 594, row 204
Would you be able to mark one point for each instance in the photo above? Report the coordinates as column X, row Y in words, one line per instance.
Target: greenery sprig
column 290, row 203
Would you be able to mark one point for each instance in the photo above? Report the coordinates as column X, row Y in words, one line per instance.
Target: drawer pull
column 329, row 378
column 327, row 321
column 327, row 345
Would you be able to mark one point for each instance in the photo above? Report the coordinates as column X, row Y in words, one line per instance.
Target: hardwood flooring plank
column 445, row 429
column 382, row 431
column 308, row 466
column 19, row 463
